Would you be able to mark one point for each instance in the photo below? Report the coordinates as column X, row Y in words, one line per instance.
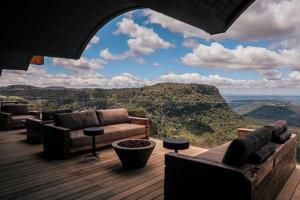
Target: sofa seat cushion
column 19, row 118
column 214, row 154
column 113, row 116
column 111, row 133
column 76, row 121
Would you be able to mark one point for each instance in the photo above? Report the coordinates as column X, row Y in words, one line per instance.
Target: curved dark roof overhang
column 63, row 28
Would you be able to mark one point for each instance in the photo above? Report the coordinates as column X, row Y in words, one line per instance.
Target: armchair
column 13, row 116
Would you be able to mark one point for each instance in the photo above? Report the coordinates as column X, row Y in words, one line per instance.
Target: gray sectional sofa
column 13, row 116
column 35, row 127
column 228, row 172
column 66, row 135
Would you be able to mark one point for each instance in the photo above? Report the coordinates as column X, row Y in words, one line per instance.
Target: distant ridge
column 268, row 110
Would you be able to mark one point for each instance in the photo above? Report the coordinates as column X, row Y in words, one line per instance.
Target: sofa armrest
column 139, row 120
column 57, row 129
column 35, row 132
column 35, row 113
column 56, row 141
column 5, row 114
column 188, row 177
column 142, row 121
column 32, row 123
column 5, row 121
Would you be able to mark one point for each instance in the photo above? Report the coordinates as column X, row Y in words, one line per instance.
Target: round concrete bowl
column 133, row 157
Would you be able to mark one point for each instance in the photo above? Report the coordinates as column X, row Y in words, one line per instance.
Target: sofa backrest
column 15, row 109
column 49, row 114
column 113, row 116
column 241, row 148
column 76, row 121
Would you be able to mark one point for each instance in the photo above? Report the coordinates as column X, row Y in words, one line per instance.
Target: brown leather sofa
column 206, row 176
column 35, row 126
column 66, row 136
column 13, row 116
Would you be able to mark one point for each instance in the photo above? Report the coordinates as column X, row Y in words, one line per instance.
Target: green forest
column 193, row 111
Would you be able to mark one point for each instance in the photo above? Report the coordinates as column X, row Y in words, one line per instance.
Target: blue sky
column 258, row 55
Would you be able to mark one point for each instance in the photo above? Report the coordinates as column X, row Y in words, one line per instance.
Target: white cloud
column 140, row 61
column 142, row 41
column 156, row 64
column 271, row 74
column 265, row 19
column 107, row 55
column 190, row 43
column 295, row 76
column 95, row 40
column 173, row 25
column 240, row 58
column 82, row 65
column 290, row 85
column 39, row 76
column 127, row 80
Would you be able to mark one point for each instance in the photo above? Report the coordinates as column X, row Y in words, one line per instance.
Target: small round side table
column 176, row 144
column 94, row 131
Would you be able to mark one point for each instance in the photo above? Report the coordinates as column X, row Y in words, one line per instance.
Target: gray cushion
column 113, row 116
column 262, row 154
column 111, row 133
column 49, row 114
column 240, row 149
column 75, row 121
column 15, row 109
column 282, row 138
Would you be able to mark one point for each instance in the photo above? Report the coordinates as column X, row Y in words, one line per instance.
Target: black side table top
column 93, row 131
column 176, row 144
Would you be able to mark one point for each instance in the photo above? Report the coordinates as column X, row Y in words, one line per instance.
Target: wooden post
column 37, row 60
column 244, row 131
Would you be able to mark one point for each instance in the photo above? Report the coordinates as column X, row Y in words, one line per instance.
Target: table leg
column 94, row 153
column 94, row 147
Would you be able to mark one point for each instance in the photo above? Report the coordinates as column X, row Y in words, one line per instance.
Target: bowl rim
column 117, row 146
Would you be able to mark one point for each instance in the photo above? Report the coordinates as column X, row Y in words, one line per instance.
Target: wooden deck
column 25, row 174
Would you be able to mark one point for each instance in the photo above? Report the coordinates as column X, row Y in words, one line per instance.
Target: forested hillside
column 194, row 111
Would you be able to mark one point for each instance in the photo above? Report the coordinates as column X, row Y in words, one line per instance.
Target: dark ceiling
column 63, row 28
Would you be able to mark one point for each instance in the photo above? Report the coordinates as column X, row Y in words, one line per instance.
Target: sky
column 259, row 54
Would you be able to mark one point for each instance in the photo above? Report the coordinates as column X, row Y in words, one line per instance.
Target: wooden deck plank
column 25, row 174
column 296, row 194
column 290, row 186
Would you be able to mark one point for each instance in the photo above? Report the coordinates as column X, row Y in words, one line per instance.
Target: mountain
column 194, row 111
column 240, row 98
column 268, row 110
